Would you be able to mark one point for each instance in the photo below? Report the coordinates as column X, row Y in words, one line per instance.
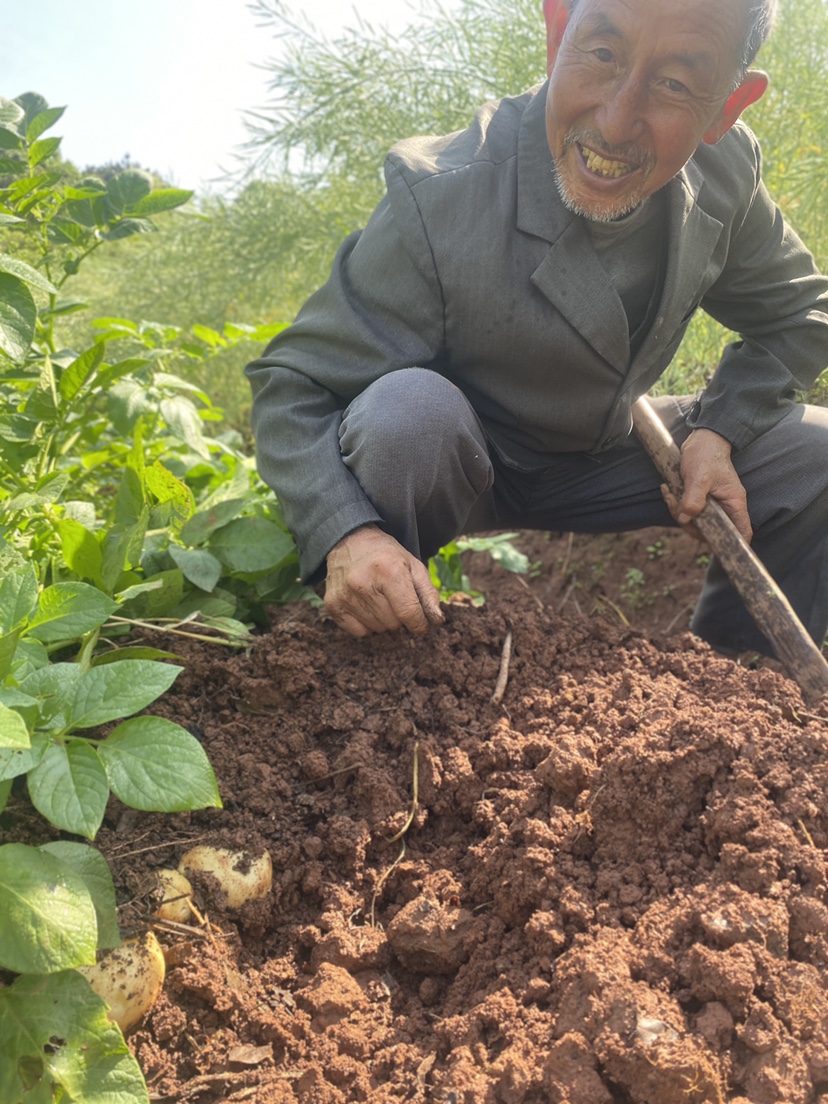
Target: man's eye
column 603, row 54
column 676, row 86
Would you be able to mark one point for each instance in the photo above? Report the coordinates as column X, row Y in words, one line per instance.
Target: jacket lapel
column 570, row 275
column 692, row 237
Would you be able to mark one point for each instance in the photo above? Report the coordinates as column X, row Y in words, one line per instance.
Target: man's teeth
column 604, row 167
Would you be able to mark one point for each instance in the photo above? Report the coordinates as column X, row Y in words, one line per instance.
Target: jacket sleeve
column 772, row 295
column 381, row 310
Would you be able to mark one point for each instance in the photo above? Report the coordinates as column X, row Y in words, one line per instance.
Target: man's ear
column 749, row 91
column 556, row 14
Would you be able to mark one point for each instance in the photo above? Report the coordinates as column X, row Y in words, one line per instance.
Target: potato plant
column 122, row 505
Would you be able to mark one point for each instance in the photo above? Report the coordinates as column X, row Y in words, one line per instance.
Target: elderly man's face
column 635, row 87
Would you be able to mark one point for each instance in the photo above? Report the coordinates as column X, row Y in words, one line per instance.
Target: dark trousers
column 421, row 456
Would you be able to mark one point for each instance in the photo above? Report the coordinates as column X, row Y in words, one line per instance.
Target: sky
column 165, row 81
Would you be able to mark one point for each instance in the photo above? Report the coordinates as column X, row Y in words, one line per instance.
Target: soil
column 609, row 886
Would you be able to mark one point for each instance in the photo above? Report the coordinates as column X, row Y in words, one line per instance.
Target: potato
column 129, row 978
column 173, row 892
column 240, row 877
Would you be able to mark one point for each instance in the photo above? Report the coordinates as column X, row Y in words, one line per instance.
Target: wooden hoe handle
column 760, row 593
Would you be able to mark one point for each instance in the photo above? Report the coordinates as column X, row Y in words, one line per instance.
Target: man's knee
column 413, row 418
column 795, row 450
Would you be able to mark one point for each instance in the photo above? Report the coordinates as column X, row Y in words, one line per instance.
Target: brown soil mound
column 609, row 887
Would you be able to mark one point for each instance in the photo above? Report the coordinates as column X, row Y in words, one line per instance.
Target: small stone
column 353, row 949
column 649, row 1030
column 431, row 938
column 315, row 765
column 331, row 996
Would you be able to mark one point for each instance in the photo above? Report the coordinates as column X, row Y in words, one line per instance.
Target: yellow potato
column 129, row 978
column 240, row 876
column 174, row 892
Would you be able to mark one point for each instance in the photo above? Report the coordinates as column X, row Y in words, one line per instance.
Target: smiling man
column 472, row 361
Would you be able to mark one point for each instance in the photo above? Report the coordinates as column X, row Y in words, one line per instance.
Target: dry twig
column 503, row 673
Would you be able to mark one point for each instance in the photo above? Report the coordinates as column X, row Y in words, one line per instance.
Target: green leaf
column 54, row 688
column 8, row 649
column 205, row 522
column 29, row 656
column 42, row 149
column 43, row 402
column 90, row 212
column 17, row 428
column 118, row 690
column 161, row 602
column 128, row 188
column 15, row 763
column 130, row 502
column 18, row 315
column 133, row 591
column 13, row 731
column 162, row 199
column 500, row 548
column 49, row 490
column 26, row 273
column 202, row 569
column 32, row 104
column 56, row 1031
column 167, row 488
column 81, row 550
column 5, row 219
column 221, row 603
column 11, row 113
column 251, row 544
column 47, row 919
column 210, row 337
column 155, row 765
column 23, row 704
column 183, row 421
column 65, row 232
column 9, row 139
column 5, row 791
column 80, row 370
column 64, row 307
column 18, row 597
column 232, row 628
column 167, row 379
column 69, row 610
column 122, row 549
column 124, row 324
column 90, row 865
column 127, row 227
column 69, row 787
column 42, row 122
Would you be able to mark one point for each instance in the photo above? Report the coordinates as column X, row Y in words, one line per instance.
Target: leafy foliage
column 447, row 570
column 118, row 508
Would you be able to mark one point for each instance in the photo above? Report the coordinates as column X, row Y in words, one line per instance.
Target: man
column 472, row 360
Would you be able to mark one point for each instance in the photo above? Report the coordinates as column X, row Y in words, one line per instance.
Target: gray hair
column 761, row 15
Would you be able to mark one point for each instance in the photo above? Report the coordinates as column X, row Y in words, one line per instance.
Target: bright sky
column 165, row 81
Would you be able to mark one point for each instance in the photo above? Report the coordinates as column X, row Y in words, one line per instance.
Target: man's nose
column 622, row 112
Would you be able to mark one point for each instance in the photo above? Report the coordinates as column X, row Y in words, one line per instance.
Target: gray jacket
column 472, row 266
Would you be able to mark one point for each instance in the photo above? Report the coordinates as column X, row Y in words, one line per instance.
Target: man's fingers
column 427, row 594
column 374, row 585
column 684, row 520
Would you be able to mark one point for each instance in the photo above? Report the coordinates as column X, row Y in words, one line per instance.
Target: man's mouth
column 603, row 166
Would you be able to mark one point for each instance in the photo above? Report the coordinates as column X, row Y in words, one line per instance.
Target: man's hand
column 706, row 469
column 374, row 585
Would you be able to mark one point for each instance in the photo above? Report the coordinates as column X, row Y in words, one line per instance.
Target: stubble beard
column 599, row 210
